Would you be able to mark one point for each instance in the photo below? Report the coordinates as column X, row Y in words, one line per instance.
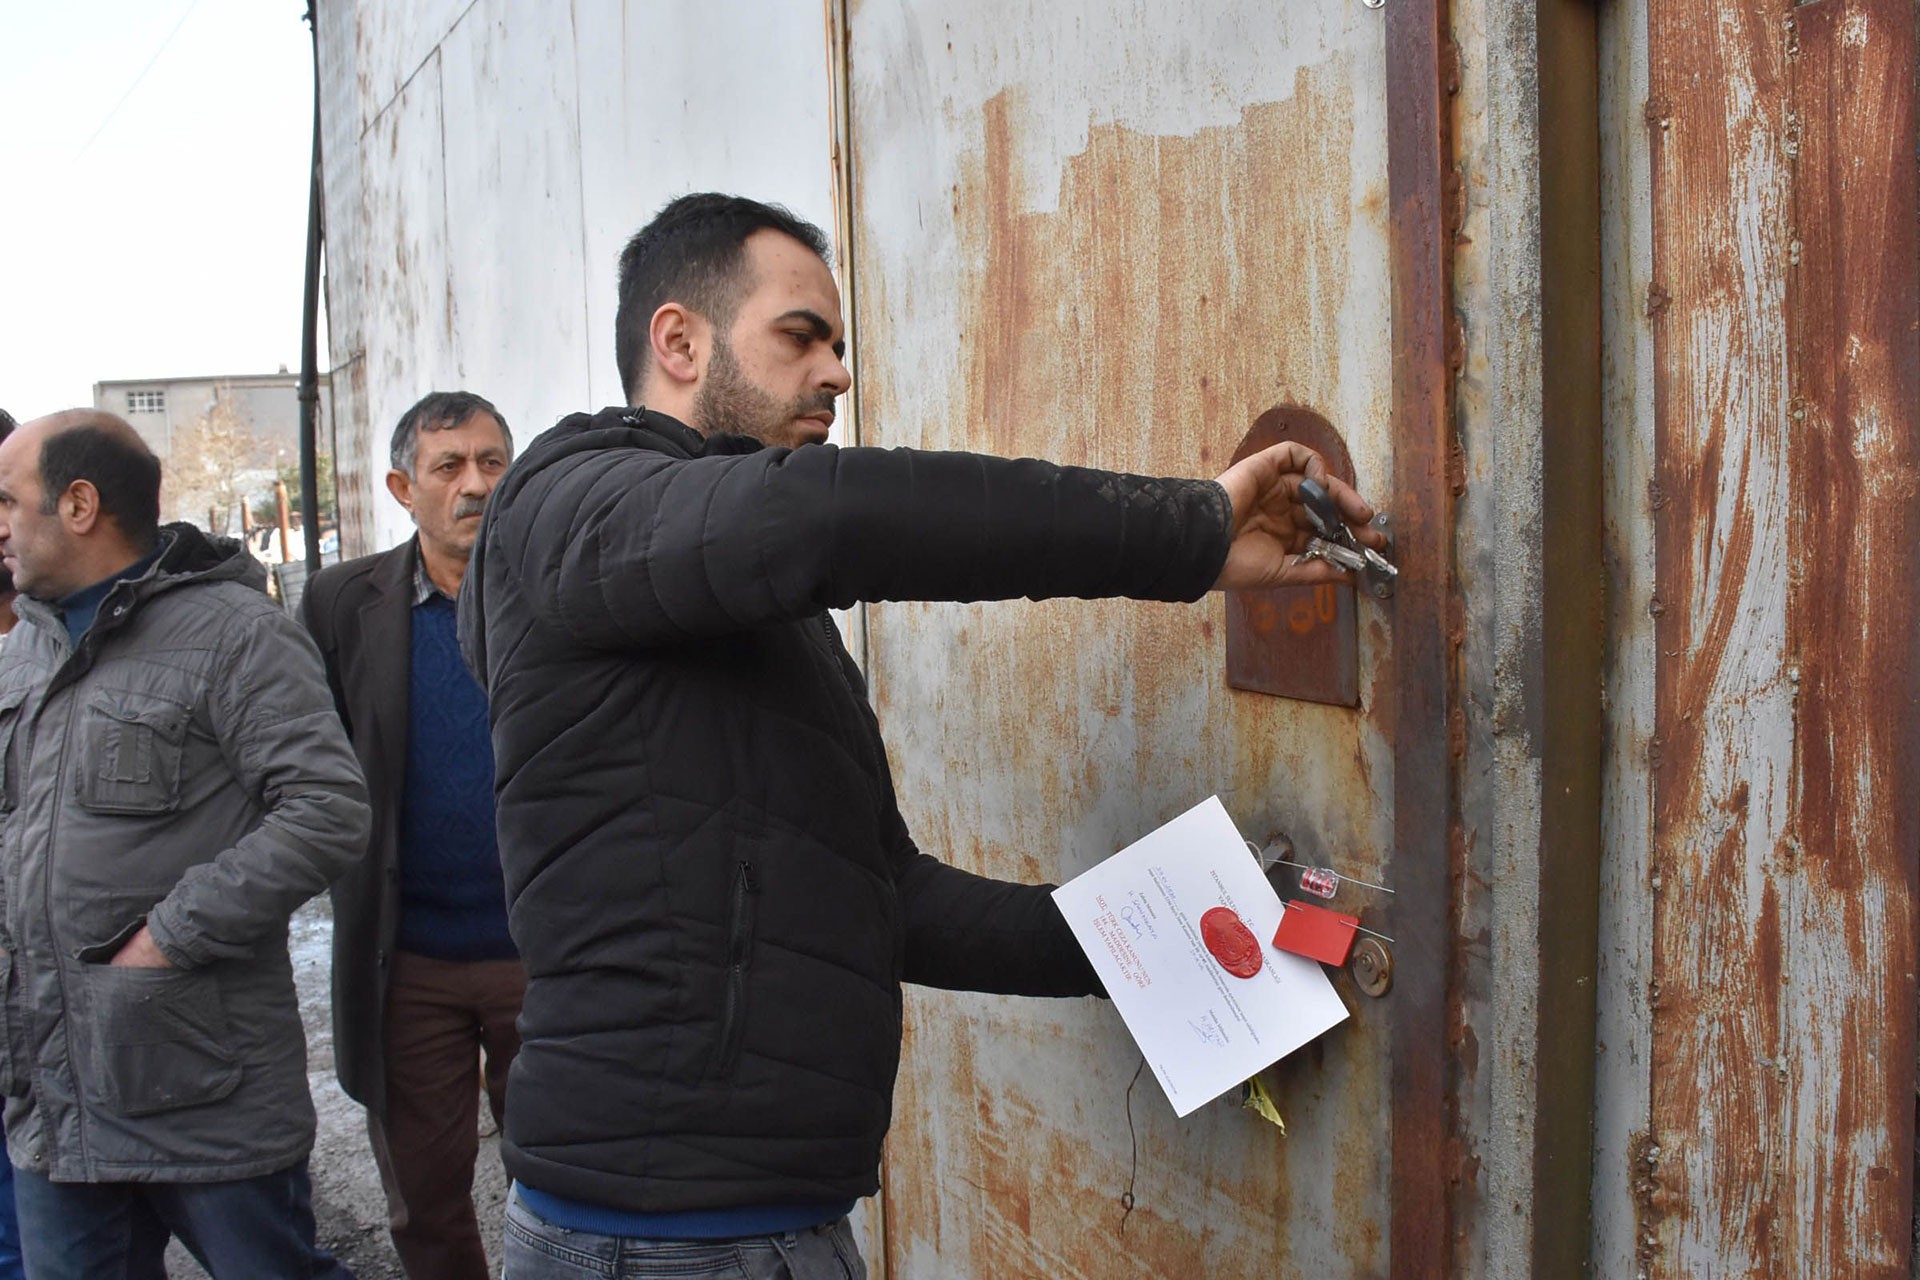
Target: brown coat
column 361, row 615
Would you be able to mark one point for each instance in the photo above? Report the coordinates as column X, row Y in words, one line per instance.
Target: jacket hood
column 615, row 428
column 632, row 427
column 187, row 554
column 192, row 554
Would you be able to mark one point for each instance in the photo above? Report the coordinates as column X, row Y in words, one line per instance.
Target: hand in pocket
column 141, row 952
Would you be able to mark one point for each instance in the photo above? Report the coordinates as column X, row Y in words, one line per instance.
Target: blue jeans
column 251, row 1229
column 10, row 1267
column 535, row 1249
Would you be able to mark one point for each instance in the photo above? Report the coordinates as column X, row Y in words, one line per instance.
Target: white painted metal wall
column 485, row 160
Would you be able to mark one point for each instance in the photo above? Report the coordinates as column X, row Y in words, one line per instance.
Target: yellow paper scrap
column 1255, row 1098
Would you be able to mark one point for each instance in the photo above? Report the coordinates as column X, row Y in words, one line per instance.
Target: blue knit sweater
column 452, row 896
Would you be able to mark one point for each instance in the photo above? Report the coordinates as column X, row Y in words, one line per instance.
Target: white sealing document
column 1174, row 971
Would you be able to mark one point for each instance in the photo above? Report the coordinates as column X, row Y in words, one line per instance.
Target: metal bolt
column 1372, row 967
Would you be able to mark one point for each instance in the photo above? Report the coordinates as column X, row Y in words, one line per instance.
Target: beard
column 729, row 403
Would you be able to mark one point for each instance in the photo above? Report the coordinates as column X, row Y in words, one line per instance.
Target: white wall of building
column 485, row 160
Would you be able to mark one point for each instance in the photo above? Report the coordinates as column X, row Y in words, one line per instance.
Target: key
column 1334, row 553
column 1337, row 545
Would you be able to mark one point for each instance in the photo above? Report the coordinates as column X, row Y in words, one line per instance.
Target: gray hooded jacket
column 183, row 768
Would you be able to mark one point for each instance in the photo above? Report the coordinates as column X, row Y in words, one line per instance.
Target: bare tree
column 213, row 460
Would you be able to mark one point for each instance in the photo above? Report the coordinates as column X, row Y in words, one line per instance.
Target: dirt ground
column 348, row 1205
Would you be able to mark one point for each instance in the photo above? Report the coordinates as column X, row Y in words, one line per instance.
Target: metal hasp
column 1296, row 642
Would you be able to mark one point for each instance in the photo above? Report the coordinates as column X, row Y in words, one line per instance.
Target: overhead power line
column 137, row 79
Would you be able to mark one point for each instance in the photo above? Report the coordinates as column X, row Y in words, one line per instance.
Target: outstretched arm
column 627, row 547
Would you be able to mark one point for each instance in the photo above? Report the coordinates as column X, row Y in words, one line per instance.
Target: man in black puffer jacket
column 707, row 874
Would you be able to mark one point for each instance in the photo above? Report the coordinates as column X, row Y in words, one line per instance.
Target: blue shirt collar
column 80, row 609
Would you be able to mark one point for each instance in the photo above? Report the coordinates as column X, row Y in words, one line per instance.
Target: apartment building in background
column 214, row 462
column 160, row 408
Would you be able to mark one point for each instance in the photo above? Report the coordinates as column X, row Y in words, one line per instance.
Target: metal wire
column 1260, row 855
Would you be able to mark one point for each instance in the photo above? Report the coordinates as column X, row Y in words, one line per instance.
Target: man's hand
column 141, row 953
column 1270, row 525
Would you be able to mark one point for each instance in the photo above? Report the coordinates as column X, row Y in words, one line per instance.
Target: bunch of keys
column 1337, row 545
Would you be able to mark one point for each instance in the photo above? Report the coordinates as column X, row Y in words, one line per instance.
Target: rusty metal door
column 1116, row 235
column 1758, row 1096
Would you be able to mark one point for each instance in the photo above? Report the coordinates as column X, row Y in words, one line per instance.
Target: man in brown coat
column 425, row 977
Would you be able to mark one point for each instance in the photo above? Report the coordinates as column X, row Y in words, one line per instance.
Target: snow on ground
column 348, row 1205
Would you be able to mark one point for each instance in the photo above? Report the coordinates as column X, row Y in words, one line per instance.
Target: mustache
column 464, row 507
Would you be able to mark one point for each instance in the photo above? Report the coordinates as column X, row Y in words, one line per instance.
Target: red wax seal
column 1231, row 942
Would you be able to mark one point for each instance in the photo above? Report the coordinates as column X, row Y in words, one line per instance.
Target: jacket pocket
column 733, row 1010
column 161, row 1039
column 12, row 1077
column 131, row 749
column 11, row 703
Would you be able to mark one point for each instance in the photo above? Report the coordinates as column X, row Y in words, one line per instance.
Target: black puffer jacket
column 707, row 876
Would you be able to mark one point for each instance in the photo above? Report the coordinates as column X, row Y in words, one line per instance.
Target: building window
column 146, row 402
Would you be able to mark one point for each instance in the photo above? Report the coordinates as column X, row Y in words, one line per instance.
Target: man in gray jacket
column 174, row 782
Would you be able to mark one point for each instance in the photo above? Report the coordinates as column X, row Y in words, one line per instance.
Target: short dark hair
column 693, row 253
column 117, row 464
column 439, row 411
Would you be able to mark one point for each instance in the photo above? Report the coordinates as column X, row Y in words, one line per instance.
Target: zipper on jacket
column 48, row 1127
column 867, row 746
column 746, row 883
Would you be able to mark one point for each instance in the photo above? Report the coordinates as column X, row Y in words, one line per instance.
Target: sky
column 153, row 192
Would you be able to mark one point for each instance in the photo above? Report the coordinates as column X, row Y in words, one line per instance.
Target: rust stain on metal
column 1643, row 1155
column 352, row 446
column 1457, row 216
column 1430, row 1166
column 1060, row 719
column 1786, row 514
column 1296, row 642
column 1854, row 341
